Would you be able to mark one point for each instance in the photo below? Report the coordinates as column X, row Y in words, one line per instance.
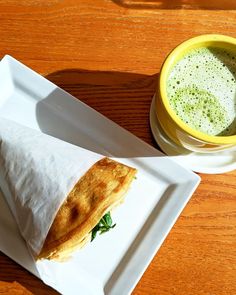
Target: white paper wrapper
column 38, row 172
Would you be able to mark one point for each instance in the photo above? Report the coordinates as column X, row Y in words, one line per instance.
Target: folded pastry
column 99, row 190
column 58, row 192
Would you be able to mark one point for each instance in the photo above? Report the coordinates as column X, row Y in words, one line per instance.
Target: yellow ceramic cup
column 172, row 125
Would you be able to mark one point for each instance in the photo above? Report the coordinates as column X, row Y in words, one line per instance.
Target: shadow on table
column 15, row 272
column 124, row 98
column 177, row 4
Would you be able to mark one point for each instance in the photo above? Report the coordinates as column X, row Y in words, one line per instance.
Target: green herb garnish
column 104, row 225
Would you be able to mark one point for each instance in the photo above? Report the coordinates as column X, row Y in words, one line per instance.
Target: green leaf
column 108, row 219
column 103, row 222
column 104, row 230
column 94, row 233
column 103, row 226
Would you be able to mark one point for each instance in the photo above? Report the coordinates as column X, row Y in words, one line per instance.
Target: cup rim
column 168, row 63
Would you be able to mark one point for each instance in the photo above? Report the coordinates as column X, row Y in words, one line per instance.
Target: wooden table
column 108, row 54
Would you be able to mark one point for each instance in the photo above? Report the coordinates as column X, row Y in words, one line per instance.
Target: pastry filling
column 104, row 225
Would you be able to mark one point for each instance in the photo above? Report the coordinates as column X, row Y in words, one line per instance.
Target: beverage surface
column 201, row 88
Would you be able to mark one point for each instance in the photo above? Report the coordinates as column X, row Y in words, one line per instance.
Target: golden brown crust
column 102, row 187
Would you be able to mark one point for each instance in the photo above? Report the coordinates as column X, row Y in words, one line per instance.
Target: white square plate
column 117, row 260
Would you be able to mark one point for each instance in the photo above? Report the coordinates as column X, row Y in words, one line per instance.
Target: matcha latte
column 201, row 88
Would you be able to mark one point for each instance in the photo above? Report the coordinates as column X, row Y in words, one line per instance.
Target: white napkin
column 37, row 173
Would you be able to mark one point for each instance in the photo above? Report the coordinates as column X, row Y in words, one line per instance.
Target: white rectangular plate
column 117, row 260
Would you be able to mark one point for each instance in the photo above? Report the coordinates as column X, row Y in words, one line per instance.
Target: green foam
column 202, row 90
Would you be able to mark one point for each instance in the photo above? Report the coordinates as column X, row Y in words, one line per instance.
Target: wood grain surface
column 108, row 54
